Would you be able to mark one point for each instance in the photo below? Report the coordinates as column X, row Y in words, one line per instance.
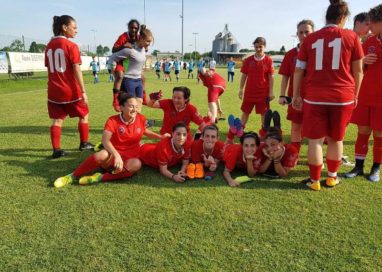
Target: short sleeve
column 244, row 68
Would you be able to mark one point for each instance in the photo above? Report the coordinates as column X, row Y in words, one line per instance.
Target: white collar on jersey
column 123, row 120
column 258, row 59
column 57, row 37
column 181, row 151
column 330, row 25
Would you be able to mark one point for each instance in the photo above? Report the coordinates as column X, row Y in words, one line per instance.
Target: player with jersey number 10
column 66, row 90
column 331, row 59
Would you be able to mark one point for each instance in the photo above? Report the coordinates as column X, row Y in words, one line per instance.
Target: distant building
column 225, row 46
column 166, row 55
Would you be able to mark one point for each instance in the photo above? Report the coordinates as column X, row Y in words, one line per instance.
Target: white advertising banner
column 22, row 62
column 3, row 63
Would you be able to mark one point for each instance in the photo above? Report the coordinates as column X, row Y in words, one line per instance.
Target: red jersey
column 162, row 153
column 287, row 68
column 370, row 93
column 289, row 159
column 172, row 116
column 197, row 151
column 126, row 137
column 328, row 55
column 213, row 81
column 60, row 55
column 234, row 158
column 258, row 72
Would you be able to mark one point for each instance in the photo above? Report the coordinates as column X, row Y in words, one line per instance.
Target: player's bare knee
column 134, row 165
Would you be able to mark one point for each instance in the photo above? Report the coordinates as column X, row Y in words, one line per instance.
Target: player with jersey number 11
column 331, row 59
column 66, row 90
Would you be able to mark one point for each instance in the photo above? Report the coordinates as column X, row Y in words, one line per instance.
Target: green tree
column 16, row 46
column 245, row 50
column 106, row 50
column 99, row 50
column 155, row 52
column 207, row 54
column 37, row 47
column 282, row 50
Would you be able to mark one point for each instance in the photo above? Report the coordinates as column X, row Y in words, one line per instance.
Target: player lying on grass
column 121, row 141
column 167, row 153
column 216, row 87
column 243, row 156
column 206, row 152
column 277, row 158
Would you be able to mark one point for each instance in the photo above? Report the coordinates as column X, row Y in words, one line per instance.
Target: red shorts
column 75, row 109
column 260, row 107
column 326, row 120
column 214, row 93
column 109, row 163
column 294, row 115
column 367, row 116
column 119, row 67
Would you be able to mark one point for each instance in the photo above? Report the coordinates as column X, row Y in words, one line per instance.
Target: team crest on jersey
column 121, row 130
column 371, row 49
column 173, row 114
column 139, row 130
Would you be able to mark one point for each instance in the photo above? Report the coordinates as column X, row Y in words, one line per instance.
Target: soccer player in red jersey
column 125, row 40
column 121, row 141
column 205, row 152
column 257, row 78
column 304, row 28
column 331, row 59
column 66, row 90
column 368, row 113
column 216, row 87
column 178, row 109
column 362, row 25
column 243, row 156
column 168, row 152
column 277, row 158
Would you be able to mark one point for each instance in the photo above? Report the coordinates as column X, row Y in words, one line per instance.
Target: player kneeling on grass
column 277, row 158
column 167, row 153
column 243, row 156
column 216, row 87
column 121, row 141
column 206, row 152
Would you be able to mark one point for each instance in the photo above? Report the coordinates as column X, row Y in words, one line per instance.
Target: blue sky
column 247, row 19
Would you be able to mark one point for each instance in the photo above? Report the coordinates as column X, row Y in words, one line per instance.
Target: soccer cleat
column 115, row 104
column 356, row 171
column 199, row 170
column 332, row 181
column 156, row 95
column 86, row 180
column 231, row 123
column 190, row 171
column 346, row 162
column 313, row 185
column 374, row 174
column 63, row 181
column 57, row 153
column 243, row 179
column 209, row 176
column 276, row 120
column 98, row 147
column 86, row 146
column 239, row 127
column 267, row 119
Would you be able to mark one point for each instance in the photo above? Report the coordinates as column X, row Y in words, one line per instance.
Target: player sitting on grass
column 243, row 156
column 277, row 158
column 167, row 153
column 121, row 138
column 216, row 87
column 205, row 152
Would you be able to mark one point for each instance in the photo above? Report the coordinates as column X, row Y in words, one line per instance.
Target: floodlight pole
column 94, row 33
column 182, row 16
column 195, row 34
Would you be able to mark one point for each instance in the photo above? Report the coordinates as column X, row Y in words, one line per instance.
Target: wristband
column 276, row 161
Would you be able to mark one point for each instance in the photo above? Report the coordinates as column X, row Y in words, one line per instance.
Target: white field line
column 16, row 93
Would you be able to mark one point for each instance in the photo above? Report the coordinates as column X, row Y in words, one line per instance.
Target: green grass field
column 148, row 223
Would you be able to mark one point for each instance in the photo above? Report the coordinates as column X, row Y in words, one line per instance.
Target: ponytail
column 336, row 10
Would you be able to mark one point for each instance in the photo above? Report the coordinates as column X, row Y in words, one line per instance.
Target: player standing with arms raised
column 66, row 90
column 332, row 61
